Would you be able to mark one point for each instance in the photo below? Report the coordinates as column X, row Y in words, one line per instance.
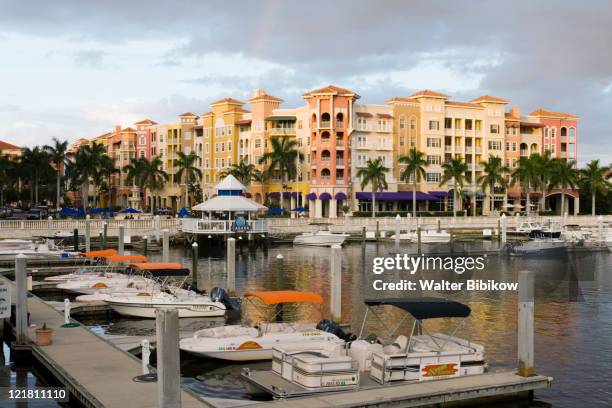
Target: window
column 299, row 124
column 553, row 132
column 222, row 163
column 257, row 143
column 494, row 128
column 434, row 125
column 457, row 123
column 433, row 159
column 206, row 163
column 402, row 122
column 412, row 124
column 433, row 177
column 468, row 124
column 448, row 123
column 478, row 124
column 546, row 133
column 572, row 134
column 229, row 146
column 434, row 142
column 142, row 153
column 142, row 140
column 495, row 145
column 507, row 146
column 187, row 135
column 223, row 146
column 514, row 146
column 207, row 148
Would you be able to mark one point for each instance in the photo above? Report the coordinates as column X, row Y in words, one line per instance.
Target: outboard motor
column 332, row 327
column 220, row 295
column 508, row 248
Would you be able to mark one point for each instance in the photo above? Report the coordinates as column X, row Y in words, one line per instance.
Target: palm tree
column 134, row 172
column 153, row 176
column 595, row 178
column 283, row 157
column 564, row 175
column 106, row 169
column 454, row 169
column 243, row 171
column 494, row 172
column 415, row 162
column 6, row 167
column 261, row 177
column 528, row 174
column 374, row 173
column 84, row 168
column 58, row 154
column 36, row 162
column 186, row 164
column 543, row 163
column 97, row 152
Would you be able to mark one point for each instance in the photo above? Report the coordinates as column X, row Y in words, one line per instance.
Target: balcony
column 524, row 152
column 340, row 124
column 326, row 124
column 448, row 148
column 478, row 149
column 281, row 131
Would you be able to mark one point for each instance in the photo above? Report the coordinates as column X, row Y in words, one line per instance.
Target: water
column 573, row 311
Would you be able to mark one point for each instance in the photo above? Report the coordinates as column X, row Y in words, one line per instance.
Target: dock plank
column 102, row 370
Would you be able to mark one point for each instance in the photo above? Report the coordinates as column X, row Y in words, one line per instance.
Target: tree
column 186, row 165
column 454, row 169
column 543, row 164
column 528, row 175
column 154, row 176
column 84, row 168
column 282, row 157
column 58, row 154
column 563, row 176
column 134, row 172
column 594, row 177
column 106, row 169
column 36, row 162
column 415, row 162
column 261, row 177
column 493, row 173
column 374, row 173
column 6, row 167
column 243, row 171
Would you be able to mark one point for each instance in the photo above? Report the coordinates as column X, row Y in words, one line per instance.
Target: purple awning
column 438, row 194
column 311, row 196
column 325, row 196
column 340, row 196
column 395, row 196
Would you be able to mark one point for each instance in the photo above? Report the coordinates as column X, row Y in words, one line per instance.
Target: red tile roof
column 430, row 93
column 544, row 112
column 128, row 130
column 7, row 146
column 364, row 114
column 532, row 124
column 384, row 115
column 400, row 99
column 146, row 122
column 510, row 116
column 230, row 101
column 331, row 89
column 236, row 109
column 189, row 114
column 490, row 98
column 265, row 97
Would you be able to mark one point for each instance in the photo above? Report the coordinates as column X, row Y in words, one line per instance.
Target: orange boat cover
column 156, row 265
column 285, row 296
column 99, row 254
column 127, row 258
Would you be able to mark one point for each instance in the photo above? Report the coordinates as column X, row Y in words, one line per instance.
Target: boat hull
column 320, row 240
column 147, row 310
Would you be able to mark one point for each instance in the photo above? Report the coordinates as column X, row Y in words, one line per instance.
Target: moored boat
column 320, row 238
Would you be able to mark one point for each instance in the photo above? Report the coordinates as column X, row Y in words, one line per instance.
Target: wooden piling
column 194, row 265
column 104, row 234
column 418, row 231
column 336, row 283
column 21, row 300
column 87, row 233
column 168, row 363
column 75, row 240
column 165, row 246
column 398, row 229
column 231, row 266
column 526, row 324
column 121, row 240
column 363, row 234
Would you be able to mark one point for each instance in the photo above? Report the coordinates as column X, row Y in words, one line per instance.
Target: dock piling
column 21, row 307
column 418, row 231
column 157, row 226
column 75, row 240
column 377, row 230
column 168, row 366
column 280, row 273
column 363, row 234
column 336, row 283
column 50, row 227
column 104, row 234
column 504, row 228
column 66, row 311
column 145, row 245
column 231, row 266
column 121, row 240
column 146, row 356
column 194, row 265
column 398, row 228
column 87, row 233
column 600, row 230
column 166, row 246
column 526, row 324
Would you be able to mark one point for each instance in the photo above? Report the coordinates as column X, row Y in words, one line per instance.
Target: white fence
column 199, row 226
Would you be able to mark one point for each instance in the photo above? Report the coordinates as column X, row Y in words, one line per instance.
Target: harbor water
column 573, row 310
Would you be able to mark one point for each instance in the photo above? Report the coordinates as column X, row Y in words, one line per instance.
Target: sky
column 73, row 69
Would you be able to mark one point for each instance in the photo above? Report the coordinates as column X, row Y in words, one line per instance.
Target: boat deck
column 475, row 388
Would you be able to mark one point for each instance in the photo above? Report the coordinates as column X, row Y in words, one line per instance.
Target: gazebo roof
column 229, row 203
column 230, row 182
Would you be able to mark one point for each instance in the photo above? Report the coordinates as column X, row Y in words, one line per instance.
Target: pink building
column 143, row 138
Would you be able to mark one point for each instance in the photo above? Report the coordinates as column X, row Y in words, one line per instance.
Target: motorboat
column 427, row 236
column 320, row 238
column 540, row 247
column 187, row 302
column 14, row 244
column 32, row 249
column 255, row 341
column 534, row 229
column 375, row 361
column 99, row 259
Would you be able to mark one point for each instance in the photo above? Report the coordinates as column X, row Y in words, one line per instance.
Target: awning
column 438, row 194
column 286, row 117
column 243, row 122
column 384, row 115
column 394, row 196
column 364, row 114
column 325, row 196
column 311, row 196
column 275, row 297
column 426, row 307
column 340, row 196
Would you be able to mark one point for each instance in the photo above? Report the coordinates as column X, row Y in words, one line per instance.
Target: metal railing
column 199, row 226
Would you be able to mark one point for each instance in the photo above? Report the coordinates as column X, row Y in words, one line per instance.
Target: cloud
column 89, row 58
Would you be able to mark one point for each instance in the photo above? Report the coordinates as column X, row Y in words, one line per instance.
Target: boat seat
column 227, row 331
column 399, row 345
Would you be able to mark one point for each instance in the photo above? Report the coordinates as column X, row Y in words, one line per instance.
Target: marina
column 264, row 269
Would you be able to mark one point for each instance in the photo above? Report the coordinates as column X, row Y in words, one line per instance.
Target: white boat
column 13, row 244
column 541, row 247
column 114, row 282
column 144, row 304
column 320, row 238
column 427, row 236
column 392, row 359
column 255, row 342
column 31, row 250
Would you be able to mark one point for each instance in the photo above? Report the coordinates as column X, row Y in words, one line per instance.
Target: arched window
column 242, row 144
column 572, row 134
column 524, row 151
column 325, row 116
column 325, row 155
column 325, row 136
column 313, row 121
column 325, row 120
column 534, row 148
column 563, row 131
column 339, row 120
column 325, row 174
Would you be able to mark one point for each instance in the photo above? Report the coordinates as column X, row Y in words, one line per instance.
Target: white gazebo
column 229, row 200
